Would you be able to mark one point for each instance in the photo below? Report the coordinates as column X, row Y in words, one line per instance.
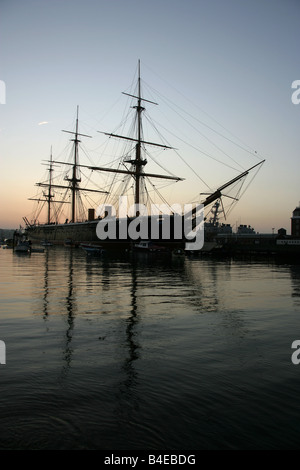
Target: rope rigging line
column 180, row 156
column 198, row 149
column 209, row 140
column 251, row 150
column 159, row 194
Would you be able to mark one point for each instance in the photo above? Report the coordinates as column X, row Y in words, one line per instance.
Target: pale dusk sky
column 228, row 61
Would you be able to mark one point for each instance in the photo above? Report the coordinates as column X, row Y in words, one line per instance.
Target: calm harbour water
column 148, row 352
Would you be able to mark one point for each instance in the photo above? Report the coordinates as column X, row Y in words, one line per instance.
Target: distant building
column 281, row 233
column 295, row 223
column 245, row 229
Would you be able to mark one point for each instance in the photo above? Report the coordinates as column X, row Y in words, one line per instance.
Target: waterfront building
column 295, row 223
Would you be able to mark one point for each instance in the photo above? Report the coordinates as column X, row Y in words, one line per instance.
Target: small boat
column 70, row 243
column 26, row 247
column 92, row 249
column 37, row 250
column 23, row 247
column 8, row 243
column 46, row 243
column 148, row 246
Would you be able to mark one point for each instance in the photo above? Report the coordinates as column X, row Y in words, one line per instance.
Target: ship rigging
column 129, row 167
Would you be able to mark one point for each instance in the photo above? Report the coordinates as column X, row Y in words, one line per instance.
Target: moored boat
column 149, row 246
column 91, row 249
column 23, row 247
column 46, row 243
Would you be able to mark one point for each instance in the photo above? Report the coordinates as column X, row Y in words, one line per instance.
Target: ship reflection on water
column 142, row 351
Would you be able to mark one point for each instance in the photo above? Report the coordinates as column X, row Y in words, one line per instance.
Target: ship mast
column 74, row 180
column 50, row 196
column 139, row 162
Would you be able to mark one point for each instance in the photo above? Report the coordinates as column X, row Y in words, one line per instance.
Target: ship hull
column 75, row 234
column 57, row 234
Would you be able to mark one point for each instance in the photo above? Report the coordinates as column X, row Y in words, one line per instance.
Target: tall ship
column 104, row 223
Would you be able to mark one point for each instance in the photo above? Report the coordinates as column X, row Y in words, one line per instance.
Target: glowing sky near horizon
column 234, row 59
